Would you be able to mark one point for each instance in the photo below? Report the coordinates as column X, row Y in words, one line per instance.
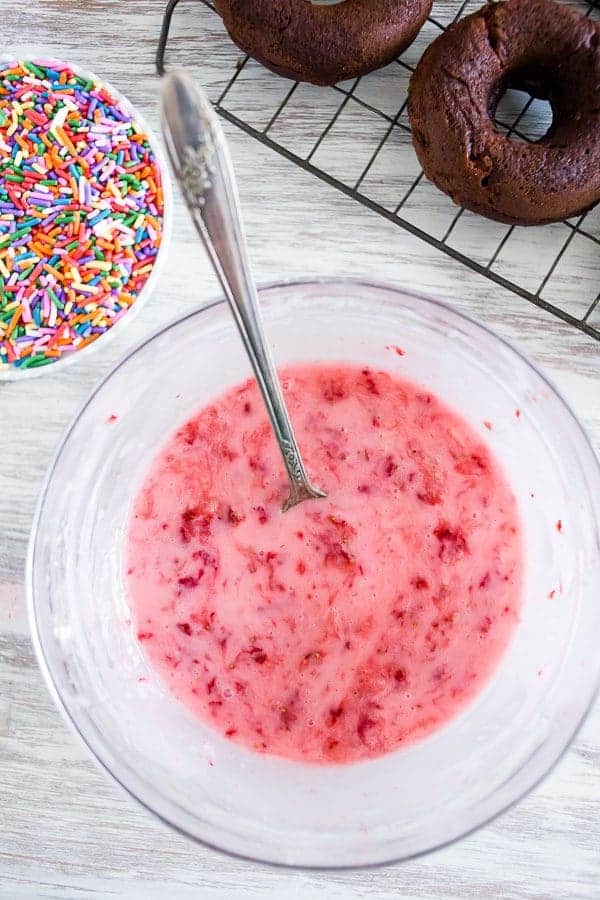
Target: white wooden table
column 65, row 829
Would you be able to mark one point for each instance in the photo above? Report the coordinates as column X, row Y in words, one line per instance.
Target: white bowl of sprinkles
column 85, row 213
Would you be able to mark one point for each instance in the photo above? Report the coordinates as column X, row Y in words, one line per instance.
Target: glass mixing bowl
column 264, row 807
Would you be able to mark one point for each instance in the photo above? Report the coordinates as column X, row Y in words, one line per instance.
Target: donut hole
column 521, row 108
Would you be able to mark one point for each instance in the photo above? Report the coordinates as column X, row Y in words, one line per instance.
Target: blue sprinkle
column 99, row 217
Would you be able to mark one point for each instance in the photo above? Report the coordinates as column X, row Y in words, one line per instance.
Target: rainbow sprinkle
column 81, row 212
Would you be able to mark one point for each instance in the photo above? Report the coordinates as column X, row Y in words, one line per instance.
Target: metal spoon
column 202, row 165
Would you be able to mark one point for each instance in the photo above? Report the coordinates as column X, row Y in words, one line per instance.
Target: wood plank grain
column 66, row 829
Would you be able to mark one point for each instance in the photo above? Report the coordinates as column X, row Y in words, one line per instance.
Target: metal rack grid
column 555, row 267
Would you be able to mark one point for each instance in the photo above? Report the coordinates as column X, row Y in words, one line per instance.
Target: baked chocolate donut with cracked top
column 540, row 46
column 323, row 44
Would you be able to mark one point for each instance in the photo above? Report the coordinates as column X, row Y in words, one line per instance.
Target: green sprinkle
column 34, row 361
column 54, row 298
column 9, row 238
column 25, row 273
column 35, row 70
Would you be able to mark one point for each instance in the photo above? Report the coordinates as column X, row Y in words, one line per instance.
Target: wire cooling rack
column 556, row 267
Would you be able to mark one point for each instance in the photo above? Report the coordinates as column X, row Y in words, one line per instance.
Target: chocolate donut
column 540, row 46
column 323, row 44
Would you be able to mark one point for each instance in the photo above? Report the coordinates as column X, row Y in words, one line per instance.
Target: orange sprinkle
column 21, row 142
column 14, row 321
column 88, row 340
column 52, row 271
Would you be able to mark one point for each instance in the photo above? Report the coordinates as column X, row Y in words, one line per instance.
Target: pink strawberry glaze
column 346, row 627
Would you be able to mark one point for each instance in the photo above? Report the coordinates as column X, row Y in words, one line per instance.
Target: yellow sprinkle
column 113, row 189
column 99, row 264
column 25, row 263
column 84, row 288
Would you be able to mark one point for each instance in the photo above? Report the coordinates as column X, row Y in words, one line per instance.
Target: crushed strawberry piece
column 343, row 628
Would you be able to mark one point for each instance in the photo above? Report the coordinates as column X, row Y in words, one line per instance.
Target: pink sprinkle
column 26, row 314
column 488, row 425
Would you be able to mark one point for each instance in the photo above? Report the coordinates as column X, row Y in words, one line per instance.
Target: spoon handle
column 201, row 161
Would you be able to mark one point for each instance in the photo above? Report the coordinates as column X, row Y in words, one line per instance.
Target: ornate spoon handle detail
column 200, row 159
